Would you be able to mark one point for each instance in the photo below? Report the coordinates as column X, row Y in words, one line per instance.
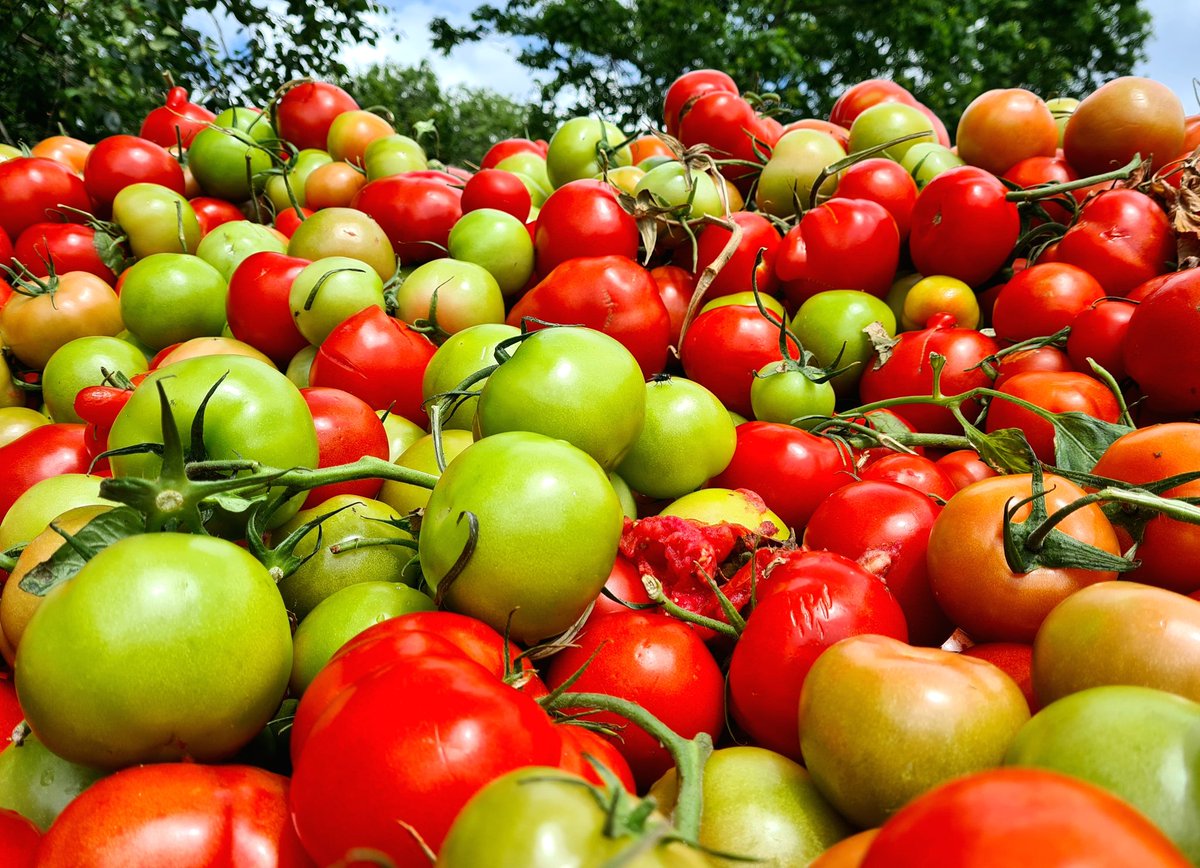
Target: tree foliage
column 617, row 57
column 96, row 67
column 467, row 120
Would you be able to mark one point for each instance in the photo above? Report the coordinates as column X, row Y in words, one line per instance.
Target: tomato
column 347, row 429
column 798, row 161
column 742, row 272
column 211, row 213
column 305, row 112
column 878, row 179
column 41, row 453
column 1169, row 552
column 583, row 218
column 118, row 161
column 85, row 362
column 427, row 733
column 807, row 601
column 257, row 304
column 1020, row 816
column 129, row 703
column 1159, row 351
column 157, row 220
column 970, row 576
column 856, row 99
column 1032, row 171
column 1057, row 392
column 1121, row 237
column 657, row 662
column 509, row 147
column 61, row 246
column 499, row 243
column 621, row 300
column 73, row 305
column 462, row 355
column 69, row 151
column 964, row 466
column 835, row 326
column 886, row 121
column 914, row 471
column 498, row 189
column 682, row 94
column 19, row 840
column 1046, row 359
column 1098, row 333
column 452, row 294
column 1002, row 127
column 228, row 156
column 582, row 748
column 963, row 226
column 34, row 190
column 728, row 124
column 416, row 213
column 573, row 152
column 179, row 814
column 376, row 358
column 935, row 295
column 792, row 470
column 1042, row 299
column 1125, row 116
column 329, row 291
column 171, row 297
column 177, row 122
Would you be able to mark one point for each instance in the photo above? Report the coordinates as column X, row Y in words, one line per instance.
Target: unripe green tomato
column 156, row 220
column 343, row 615
column 537, row 193
column 780, row 393
column 573, row 150
column 327, row 571
column 745, row 298
column 344, row 232
column 572, row 383
column 108, row 672
column 167, row 298
column 548, row 527
column 298, row 367
column 227, row 245
column 498, row 242
column 80, row 363
column 1062, row 108
column 400, row 431
column 531, row 168
column 44, row 501
column 671, row 187
column 403, row 497
column 276, row 186
column 625, row 495
column 229, row 165
column 795, row 164
column 926, row 160
column 833, row 322
column 37, row 783
column 466, row 295
column 18, row 421
column 329, row 291
column 887, row 121
column 147, row 351
column 687, row 439
column 10, row 152
column 715, row 505
column 393, row 155
column 463, row 354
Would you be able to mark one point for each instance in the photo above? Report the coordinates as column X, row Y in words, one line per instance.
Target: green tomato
column 549, row 523
column 715, row 505
column 497, row 241
column 108, row 666
column 532, row 170
column 1138, row 743
column 400, row 431
column 762, row 806
column 467, row 295
column 44, row 501
column 463, row 354
column 330, row 291
column 343, row 615
column 404, row 498
column 227, row 245
column 256, row 414
column 393, row 155
column 81, row 363
column 887, row 121
column 926, row 160
column 625, row 495
column 834, row 322
column 572, row 383
column 671, row 187
column 10, row 395
column 276, row 187
column 687, row 439
column 573, row 150
column 18, row 421
column 1062, row 108
column 344, row 232
column 300, row 365
column 795, row 164
column 228, row 157
column 168, row 298
column 38, row 784
column 328, row 570
column 156, row 220
column 780, row 393
column 747, row 299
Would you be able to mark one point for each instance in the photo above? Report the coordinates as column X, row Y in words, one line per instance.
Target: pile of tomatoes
column 815, row 493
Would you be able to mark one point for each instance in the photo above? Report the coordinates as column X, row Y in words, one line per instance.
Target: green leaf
column 101, row 531
column 1005, row 451
column 1080, row 440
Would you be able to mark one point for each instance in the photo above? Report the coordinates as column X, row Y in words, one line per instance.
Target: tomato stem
column 1043, row 191
column 654, row 590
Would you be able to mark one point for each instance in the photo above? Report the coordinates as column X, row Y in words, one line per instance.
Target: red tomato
column 288, row 220
column 914, row 471
column 1121, row 238
column 860, row 97
column 1042, row 299
column 964, row 466
column 583, row 218
column 963, row 226
column 257, row 306
column 884, row 181
column 36, row 190
column 625, row 584
column 1015, row 659
column 1020, row 816
column 612, row 294
column 347, row 430
column 377, row 358
column 689, row 87
column 884, row 527
column 583, row 747
column 178, row 114
column 49, row 450
column 1161, row 352
column 183, row 814
column 726, row 123
column 1033, row 171
column 495, row 188
column 118, row 161
column 10, row 708
column 1068, row 392
column 416, row 210
column 1098, row 333
column 507, row 147
column 675, row 286
column 305, row 112
column 807, row 601
column 790, row 469
column 61, row 246
column 841, row 244
column 657, row 662
column 1046, row 358
column 738, row 274
column 211, row 212
column 19, row 840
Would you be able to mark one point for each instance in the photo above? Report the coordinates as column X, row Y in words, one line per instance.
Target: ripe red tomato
column 37, row 190
column 1042, row 299
column 1033, row 171
column 675, row 286
column 1161, row 352
column 1058, row 392
column 178, row 114
column 211, row 213
column 1046, row 358
column 416, row 210
column 19, row 840
column 657, row 662
column 582, row 747
column 498, row 189
column 964, row 466
column 860, row 97
column 118, row 161
column 257, row 306
column 1121, row 238
column 689, row 87
column 347, row 430
column 583, row 218
column 792, row 470
column 61, row 246
column 305, row 112
column 45, row 451
column 1015, row 659
column 728, row 124
column 738, row 274
column 884, row 181
column 1098, row 333
column 915, row 471
column 507, row 147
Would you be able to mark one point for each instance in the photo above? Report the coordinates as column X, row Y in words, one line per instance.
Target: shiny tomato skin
column 1098, row 333
column 347, row 430
column 914, row 471
column 19, row 839
column 583, row 747
column 1122, row 238
column 33, row 189
column 859, row 97
column 45, row 451
column 884, row 181
column 184, row 814
column 416, row 210
column 177, row 122
column 257, row 305
column 118, row 161
column 1042, row 299
column 1160, row 351
column 583, row 218
column 1048, row 358
column 689, row 87
column 305, row 112
column 964, row 466
column 741, row 273
column 1033, row 171
column 61, row 246
column 1067, row 392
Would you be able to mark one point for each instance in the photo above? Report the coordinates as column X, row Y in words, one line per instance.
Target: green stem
column 1034, row 194
column 654, row 590
column 1179, row 510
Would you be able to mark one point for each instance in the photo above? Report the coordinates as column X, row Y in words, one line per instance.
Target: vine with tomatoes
column 807, row 493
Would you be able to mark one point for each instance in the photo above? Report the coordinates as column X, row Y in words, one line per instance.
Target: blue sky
column 1174, row 58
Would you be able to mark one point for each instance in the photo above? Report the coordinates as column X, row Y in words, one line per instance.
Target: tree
column 467, row 120
column 96, row 67
column 618, row 57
